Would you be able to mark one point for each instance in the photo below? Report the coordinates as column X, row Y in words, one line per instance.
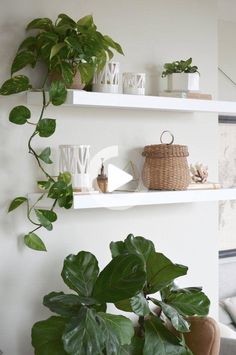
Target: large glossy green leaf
column 159, row 340
column 137, row 245
column 86, row 21
column 140, row 246
column 122, row 278
column 57, row 92
column 33, row 241
column 189, row 302
column 124, row 305
column 178, row 322
column 40, row 24
column 161, row 271
column 46, row 127
column 86, row 72
column 22, row 59
column 47, row 336
column 66, row 200
column 19, row 115
column 15, row 85
column 139, row 305
column 83, row 335
column 117, row 331
column 16, row 203
column 64, row 305
column 118, row 248
column 80, row 272
column 45, row 155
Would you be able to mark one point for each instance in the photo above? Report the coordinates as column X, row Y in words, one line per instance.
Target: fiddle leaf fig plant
column 130, row 281
column 65, row 48
column 179, row 66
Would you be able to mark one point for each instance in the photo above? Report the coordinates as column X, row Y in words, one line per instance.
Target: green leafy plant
column 135, row 273
column 65, row 47
column 179, row 66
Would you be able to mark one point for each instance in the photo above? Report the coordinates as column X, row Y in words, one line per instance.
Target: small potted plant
column 129, row 281
column 181, row 76
column 69, row 49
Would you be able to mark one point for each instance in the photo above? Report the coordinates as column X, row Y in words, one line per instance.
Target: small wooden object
column 102, row 180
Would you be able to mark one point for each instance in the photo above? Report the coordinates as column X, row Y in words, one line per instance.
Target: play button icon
column 117, row 177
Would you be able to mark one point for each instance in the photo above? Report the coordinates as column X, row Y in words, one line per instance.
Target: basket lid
column 165, row 150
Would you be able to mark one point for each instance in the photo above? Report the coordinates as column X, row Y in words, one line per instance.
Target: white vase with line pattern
column 107, row 80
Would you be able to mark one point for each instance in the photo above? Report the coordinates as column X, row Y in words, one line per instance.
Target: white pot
column 81, row 182
column 134, row 83
column 188, row 82
column 75, row 159
column 108, row 79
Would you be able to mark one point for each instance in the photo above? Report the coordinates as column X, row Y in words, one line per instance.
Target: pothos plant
column 179, row 66
column 64, row 47
column 131, row 281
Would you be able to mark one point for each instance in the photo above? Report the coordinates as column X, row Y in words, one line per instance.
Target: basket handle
column 172, row 137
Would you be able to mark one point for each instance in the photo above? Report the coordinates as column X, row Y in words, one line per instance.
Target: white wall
column 151, row 33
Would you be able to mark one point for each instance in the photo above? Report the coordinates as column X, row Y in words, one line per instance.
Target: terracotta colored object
column 102, row 180
column 76, row 84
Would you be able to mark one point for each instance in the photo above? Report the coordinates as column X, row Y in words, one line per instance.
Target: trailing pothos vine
column 66, row 48
column 59, row 189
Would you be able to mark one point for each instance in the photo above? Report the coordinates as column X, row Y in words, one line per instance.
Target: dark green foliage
column 84, row 328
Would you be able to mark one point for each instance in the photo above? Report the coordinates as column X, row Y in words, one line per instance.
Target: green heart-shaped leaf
column 19, row 115
column 34, row 242
column 22, row 59
column 57, row 92
column 45, row 155
column 40, row 24
column 15, row 85
column 16, row 203
column 46, row 127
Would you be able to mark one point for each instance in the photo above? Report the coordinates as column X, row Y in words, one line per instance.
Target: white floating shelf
column 94, row 99
column 126, row 199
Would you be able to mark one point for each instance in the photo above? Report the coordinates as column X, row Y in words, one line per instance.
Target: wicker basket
column 166, row 167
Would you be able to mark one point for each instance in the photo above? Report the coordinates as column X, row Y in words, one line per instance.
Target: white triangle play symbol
column 117, row 177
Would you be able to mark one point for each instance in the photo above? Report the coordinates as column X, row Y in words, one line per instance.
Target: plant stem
column 141, row 330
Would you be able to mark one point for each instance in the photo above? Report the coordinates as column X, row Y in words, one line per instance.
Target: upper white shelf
column 127, row 199
column 95, row 99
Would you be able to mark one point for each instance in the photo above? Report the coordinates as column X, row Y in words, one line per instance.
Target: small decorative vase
column 134, row 83
column 184, row 82
column 102, row 180
column 108, row 79
column 75, row 159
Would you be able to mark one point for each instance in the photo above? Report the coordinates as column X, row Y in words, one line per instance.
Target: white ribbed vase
column 75, row 159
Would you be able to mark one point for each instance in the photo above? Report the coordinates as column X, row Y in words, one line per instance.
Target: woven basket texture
column 166, row 167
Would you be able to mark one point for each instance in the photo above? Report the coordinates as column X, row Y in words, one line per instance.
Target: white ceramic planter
column 134, row 83
column 188, row 82
column 108, row 79
column 75, row 159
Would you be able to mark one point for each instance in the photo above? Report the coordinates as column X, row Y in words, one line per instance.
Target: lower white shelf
column 129, row 199
column 126, row 199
